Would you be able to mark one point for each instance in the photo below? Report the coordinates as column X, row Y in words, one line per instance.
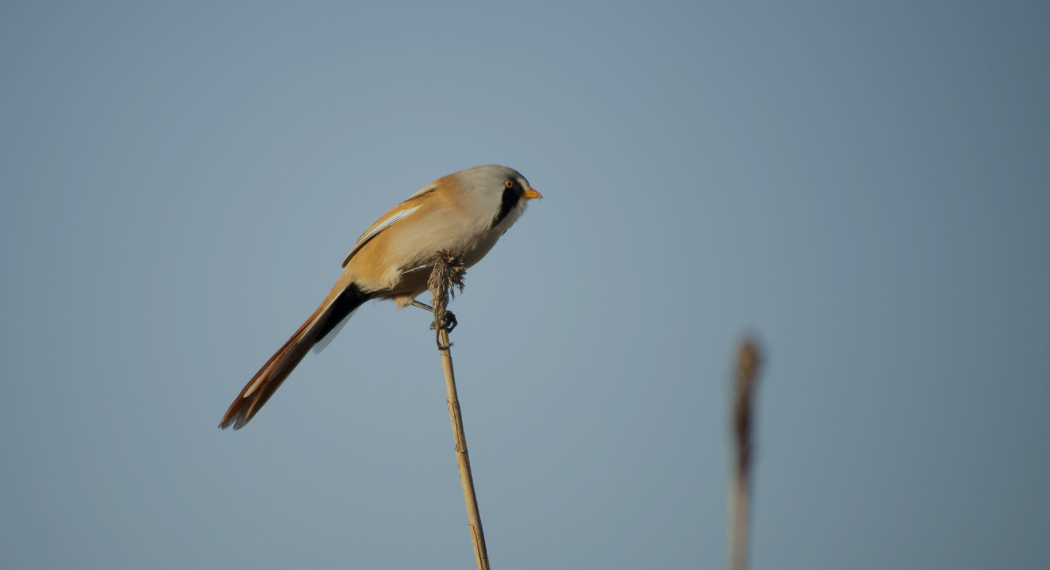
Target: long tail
column 266, row 381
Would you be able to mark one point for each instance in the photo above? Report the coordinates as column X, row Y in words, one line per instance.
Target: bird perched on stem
column 464, row 213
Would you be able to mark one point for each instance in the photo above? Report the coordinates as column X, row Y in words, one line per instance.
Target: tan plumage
column 465, row 212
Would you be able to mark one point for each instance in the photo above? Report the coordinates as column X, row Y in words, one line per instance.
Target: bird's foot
column 449, row 321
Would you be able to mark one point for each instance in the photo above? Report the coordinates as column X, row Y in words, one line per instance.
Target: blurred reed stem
column 746, row 378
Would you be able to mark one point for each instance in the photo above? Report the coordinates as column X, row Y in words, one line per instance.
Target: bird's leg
column 448, row 323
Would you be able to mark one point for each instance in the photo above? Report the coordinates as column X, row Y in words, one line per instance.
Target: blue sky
column 863, row 187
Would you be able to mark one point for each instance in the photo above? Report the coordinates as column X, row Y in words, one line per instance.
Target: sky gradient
column 863, row 187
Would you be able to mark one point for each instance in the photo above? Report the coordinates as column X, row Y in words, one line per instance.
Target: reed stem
column 447, row 274
column 747, row 364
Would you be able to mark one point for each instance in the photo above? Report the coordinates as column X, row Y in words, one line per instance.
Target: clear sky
column 862, row 186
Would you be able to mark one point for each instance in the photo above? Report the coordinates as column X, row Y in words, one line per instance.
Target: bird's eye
column 509, row 183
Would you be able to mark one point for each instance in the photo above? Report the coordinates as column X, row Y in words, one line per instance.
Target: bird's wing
column 395, row 215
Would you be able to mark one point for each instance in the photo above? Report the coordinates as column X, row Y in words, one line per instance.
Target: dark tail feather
column 280, row 365
column 347, row 302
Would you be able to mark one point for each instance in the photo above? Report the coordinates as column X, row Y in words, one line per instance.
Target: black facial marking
column 511, row 195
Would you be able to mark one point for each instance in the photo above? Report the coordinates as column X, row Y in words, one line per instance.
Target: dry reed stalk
column 448, row 274
column 748, row 360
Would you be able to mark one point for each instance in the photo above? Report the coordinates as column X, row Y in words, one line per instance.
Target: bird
column 464, row 213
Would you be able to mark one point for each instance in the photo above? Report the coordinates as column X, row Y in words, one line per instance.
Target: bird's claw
column 448, row 323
